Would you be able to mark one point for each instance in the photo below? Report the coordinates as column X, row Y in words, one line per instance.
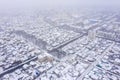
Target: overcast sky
column 55, row 3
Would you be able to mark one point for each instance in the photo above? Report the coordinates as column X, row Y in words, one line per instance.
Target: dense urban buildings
column 60, row 45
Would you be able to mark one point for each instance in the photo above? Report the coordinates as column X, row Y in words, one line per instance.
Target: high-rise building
column 91, row 35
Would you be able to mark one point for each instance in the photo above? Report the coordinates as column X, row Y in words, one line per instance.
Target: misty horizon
column 23, row 4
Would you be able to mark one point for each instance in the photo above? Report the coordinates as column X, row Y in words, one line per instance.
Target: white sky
column 55, row 3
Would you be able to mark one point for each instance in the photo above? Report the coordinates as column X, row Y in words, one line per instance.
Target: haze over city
column 57, row 3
